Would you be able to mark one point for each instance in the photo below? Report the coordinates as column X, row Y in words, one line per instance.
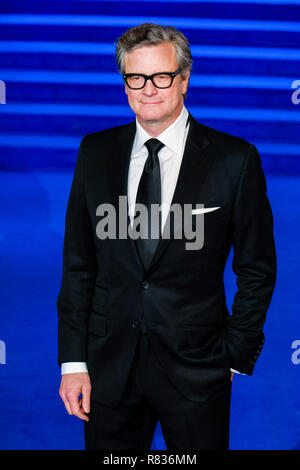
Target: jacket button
column 145, row 284
column 134, row 324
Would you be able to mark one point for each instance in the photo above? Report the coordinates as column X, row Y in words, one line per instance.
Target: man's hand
column 71, row 387
column 232, row 374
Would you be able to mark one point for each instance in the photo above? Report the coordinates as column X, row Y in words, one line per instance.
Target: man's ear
column 185, row 81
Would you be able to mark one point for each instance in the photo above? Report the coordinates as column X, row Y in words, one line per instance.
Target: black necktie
column 149, row 192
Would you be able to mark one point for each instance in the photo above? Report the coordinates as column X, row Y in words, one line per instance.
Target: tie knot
column 154, row 146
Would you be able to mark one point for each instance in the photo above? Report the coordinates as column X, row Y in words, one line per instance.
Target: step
column 30, row 159
column 255, row 9
column 99, row 57
column 289, row 36
column 75, row 126
column 227, row 91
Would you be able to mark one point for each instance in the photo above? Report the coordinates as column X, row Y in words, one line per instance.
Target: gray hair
column 148, row 34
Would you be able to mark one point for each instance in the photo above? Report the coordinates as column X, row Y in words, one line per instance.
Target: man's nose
column 149, row 88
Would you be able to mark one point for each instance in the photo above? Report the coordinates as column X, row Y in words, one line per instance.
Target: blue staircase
column 57, row 61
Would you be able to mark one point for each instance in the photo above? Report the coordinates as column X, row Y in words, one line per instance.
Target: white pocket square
column 203, row 211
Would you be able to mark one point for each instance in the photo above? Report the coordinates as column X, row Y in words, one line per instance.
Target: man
column 144, row 330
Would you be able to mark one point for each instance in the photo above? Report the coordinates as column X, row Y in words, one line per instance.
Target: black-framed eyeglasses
column 136, row 81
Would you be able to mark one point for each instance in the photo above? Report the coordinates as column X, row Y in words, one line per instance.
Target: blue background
column 57, row 61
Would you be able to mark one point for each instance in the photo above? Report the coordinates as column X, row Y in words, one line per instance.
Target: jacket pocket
column 100, row 298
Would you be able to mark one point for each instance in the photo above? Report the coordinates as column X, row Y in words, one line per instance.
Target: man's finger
column 76, row 410
column 82, row 409
column 86, row 394
column 67, row 406
column 65, row 402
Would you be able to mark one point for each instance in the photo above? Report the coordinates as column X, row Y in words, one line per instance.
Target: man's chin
column 151, row 116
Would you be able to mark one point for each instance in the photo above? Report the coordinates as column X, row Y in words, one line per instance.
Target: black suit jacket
column 105, row 290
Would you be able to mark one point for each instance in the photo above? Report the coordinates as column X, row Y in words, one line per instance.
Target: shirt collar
column 171, row 137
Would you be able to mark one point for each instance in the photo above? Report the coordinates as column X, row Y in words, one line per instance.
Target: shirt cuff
column 237, row 372
column 76, row 367
column 73, row 367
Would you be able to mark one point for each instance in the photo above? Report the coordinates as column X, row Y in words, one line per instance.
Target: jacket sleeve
column 254, row 263
column 79, row 271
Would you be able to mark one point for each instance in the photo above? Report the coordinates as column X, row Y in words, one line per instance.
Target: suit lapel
column 194, row 167
column 119, row 161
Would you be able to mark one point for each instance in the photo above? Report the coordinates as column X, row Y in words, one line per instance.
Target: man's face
column 151, row 104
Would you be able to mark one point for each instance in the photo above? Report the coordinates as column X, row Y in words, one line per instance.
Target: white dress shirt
column 170, row 158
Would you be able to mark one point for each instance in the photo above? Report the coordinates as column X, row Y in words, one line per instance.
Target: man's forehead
column 151, row 55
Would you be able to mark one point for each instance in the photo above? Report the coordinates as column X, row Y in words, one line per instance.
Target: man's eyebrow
column 139, row 73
